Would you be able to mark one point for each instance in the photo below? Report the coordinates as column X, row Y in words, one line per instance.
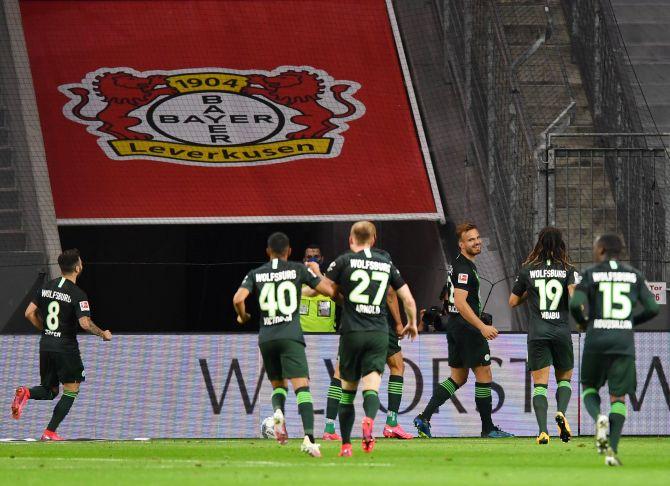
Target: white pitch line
column 165, row 463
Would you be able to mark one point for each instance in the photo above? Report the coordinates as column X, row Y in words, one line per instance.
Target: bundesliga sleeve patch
column 463, row 278
column 83, row 305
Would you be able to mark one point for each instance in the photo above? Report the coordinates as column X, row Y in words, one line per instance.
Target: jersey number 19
column 550, row 293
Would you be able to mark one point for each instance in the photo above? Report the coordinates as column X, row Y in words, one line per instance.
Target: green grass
column 456, row 461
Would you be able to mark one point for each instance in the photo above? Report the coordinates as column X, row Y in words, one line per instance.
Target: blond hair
column 363, row 232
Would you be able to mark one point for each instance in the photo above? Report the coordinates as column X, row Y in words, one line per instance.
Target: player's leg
column 446, row 389
column 46, row 390
column 477, row 356
column 62, row 408
column 295, row 368
column 306, row 411
column 333, row 404
column 350, row 372
column 563, row 358
column 593, row 376
column 347, row 414
column 373, row 362
column 396, row 366
column 70, row 371
column 622, row 381
column 539, row 361
column 540, row 404
column 271, row 354
column 279, row 393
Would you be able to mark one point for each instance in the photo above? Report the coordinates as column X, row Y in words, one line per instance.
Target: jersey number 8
column 282, row 297
column 52, row 315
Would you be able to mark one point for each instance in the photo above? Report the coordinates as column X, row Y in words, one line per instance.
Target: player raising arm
column 610, row 289
column 277, row 285
column 57, row 309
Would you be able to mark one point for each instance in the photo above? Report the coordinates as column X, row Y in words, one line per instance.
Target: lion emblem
column 123, row 94
column 301, row 91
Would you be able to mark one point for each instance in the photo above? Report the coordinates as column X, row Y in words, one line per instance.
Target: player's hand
column 244, row 318
column 314, row 267
column 106, row 335
column 399, row 330
column 489, row 332
column 411, row 330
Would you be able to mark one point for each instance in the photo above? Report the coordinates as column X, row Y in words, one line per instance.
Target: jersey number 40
column 282, row 297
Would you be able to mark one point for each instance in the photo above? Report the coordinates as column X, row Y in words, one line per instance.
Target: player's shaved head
column 363, row 233
column 278, row 243
column 68, row 260
column 608, row 245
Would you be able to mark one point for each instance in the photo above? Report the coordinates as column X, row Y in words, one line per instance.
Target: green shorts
column 547, row 352
column 361, row 353
column 618, row 370
column 467, row 349
column 58, row 368
column 394, row 344
column 284, row 359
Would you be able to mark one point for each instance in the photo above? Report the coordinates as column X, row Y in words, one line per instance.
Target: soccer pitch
column 455, row 461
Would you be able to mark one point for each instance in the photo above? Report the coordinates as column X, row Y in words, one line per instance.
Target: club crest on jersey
column 83, row 305
column 215, row 116
column 463, row 278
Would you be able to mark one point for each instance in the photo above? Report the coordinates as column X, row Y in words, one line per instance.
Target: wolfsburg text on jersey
column 629, row 277
column 548, row 273
column 371, row 265
column 52, row 294
column 276, row 276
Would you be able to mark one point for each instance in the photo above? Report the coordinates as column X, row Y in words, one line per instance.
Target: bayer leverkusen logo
column 215, row 117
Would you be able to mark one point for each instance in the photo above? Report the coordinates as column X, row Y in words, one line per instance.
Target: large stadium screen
column 215, row 111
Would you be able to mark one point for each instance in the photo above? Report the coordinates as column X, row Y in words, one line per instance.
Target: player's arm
column 466, row 312
column 238, row 302
column 519, row 291
column 33, row 315
column 650, row 307
column 576, row 305
column 408, row 303
column 394, row 309
column 516, row 300
column 89, row 326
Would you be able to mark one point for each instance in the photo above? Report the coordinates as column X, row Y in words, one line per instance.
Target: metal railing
column 506, row 138
column 602, row 183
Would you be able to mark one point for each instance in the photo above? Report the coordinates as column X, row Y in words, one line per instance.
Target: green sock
column 540, row 405
column 61, row 409
column 40, row 392
column 395, row 396
column 484, row 402
column 617, row 418
column 563, row 394
column 370, row 403
column 591, row 402
column 332, row 404
column 347, row 414
column 279, row 398
column 306, row 410
column 443, row 392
